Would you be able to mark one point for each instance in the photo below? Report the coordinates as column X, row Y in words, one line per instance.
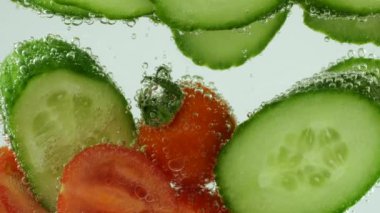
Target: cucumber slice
column 214, row 14
column 357, row 64
column 346, row 7
column 346, row 29
column 222, row 49
column 56, row 101
column 113, row 9
column 49, row 6
column 320, row 144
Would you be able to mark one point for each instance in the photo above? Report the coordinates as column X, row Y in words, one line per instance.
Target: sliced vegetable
column 186, row 147
column 222, row 49
column 346, row 7
column 215, row 14
column 113, row 9
column 109, row 178
column 50, row 6
column 358, row 30
column 357, row 64
column 14, row 194
column 56, row 101
column 201, row 200
column 319, row 144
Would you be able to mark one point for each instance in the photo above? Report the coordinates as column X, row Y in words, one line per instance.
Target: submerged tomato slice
column 14, row 194
column 201, row 201
column 108, row 178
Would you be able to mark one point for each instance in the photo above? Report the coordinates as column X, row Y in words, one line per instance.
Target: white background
column 295, row 53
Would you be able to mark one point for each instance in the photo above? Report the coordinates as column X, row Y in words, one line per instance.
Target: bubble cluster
column 160, row 98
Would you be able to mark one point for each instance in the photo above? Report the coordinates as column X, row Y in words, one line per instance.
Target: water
column 128, row 49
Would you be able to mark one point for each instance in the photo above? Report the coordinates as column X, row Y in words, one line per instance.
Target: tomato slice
column 14, row 194
column 109, row 178
column 201, row 201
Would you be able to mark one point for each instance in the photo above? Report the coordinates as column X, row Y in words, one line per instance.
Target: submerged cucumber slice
column 357, row 64
column 314, row 150
column 222, row 49
column 348, row 7
column 114, row 9
column 214, row 14
column 358, row 30
column 50, row 6
column 56, row 101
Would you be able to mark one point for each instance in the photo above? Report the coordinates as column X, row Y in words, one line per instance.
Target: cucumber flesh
column 57, row 101
column 357, row 64
column 317, row 145
column 222, row 49
column 113, row 9
column 344, row 7
column 358, row 30
column 214, row 14
column 49, row 6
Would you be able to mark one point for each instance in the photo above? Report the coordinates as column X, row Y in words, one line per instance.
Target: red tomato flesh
column 187, row 148
column 15, row 196
column 108, row 178
column 202, row 201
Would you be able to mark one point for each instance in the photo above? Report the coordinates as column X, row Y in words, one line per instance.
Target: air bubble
column 76, row 22
column 351, row 54
column 76, row 41
column 362, row 67
column 149, row 199
column 71, row 55
column 361, row 52
column 140, row 192
column 89, row 21
column 371, row 56
column 145, row 65
column 176, row 165
column 104, row 20
column 245, row 53
column 130, row 23
column 133, row 36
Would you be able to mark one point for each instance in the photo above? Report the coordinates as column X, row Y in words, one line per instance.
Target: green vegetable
column 49, row 6
column 222, row 49
column 214, row 14
column 343, row 7
column 357, row 64
column 113, row 9
column 315, row 149
column 56, row 101
column 358, row 30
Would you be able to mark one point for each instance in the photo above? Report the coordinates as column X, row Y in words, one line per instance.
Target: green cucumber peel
column 51, row 7
column 216, row 14
column 63, row 83
column 342, row 7
column 222, row 49
column 114, row 9
column 357, row 30
column 242, row 161
column 360, row 64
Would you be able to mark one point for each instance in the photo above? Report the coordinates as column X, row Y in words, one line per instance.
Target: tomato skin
column 202, row 201
column 109, row 178
column 15, row 196
column 186, row 149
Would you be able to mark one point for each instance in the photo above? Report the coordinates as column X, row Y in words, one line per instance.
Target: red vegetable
column 108, row 178
column 15, row 196
column 186, row 148
column 202, row 201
